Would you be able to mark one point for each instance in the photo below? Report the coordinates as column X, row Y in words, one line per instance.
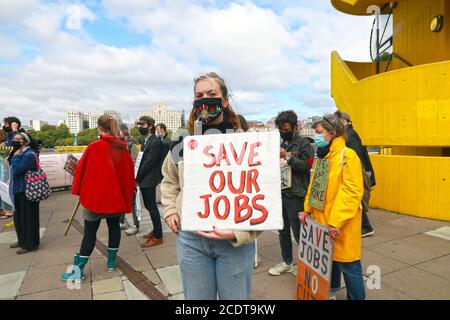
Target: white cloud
column 260, row 52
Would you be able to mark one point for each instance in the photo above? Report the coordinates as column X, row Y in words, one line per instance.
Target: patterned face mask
column 208, row 109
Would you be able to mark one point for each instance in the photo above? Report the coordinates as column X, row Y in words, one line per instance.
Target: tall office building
column 37, row 124
column 74, row 122
column 172, row 119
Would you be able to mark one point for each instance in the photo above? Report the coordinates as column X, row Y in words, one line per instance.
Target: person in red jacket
column 104, row 180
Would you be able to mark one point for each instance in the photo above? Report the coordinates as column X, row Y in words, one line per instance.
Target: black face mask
column 7, row 129
column 287, row 136
column 222, row 127
column 17, row 144
column 144, row 131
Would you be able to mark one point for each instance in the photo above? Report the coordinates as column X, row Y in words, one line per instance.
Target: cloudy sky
column 92, row 55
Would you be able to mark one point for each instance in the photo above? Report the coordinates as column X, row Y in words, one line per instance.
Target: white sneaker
column 123, row 226
column 281, row 268
column 132, row 231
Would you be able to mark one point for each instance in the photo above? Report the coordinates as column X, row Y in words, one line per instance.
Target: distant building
column 74, row 122
column 172, row 119
column 116, row 115
column 92, row 120
column 37, row 124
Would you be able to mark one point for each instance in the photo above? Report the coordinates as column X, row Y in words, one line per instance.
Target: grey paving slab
column 55, row 242
column 99, row 270
column 120, row 295
column 443, row 233
column 132, row 293
column 417, row 225
column 45, row 279
column 271, row 253
column 263, row 265
column 171, row 277
column 179, row 296
column 419, row 284
column 107, row 286
column 54, row 257
column 267, row 238
column 11, row 236
column 153, row 277
column 386, row 264
column 138, row 262
column 10, row 284
column 267, row 287
column 84, row 293
column 163, row 289
column 439, row 266
column 15, row 263
column 386, row 233
column 413, row 250
column 162, row 257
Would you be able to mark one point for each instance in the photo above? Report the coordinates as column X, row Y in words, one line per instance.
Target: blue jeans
column 353, row 278
column 212, row 269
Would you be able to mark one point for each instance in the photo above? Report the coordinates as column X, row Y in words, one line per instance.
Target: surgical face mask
column 320, row 141
column 208, row 109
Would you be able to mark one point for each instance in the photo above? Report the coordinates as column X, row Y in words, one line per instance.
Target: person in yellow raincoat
column 340, row 209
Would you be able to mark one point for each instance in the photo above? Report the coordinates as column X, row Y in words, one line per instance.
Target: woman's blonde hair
column 229, row 114
column 109, row 125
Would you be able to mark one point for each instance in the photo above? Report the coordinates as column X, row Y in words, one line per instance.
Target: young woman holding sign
column 334, row 200
column 217, row 264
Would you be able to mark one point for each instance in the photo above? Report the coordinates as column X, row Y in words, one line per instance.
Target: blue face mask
column 320, row 141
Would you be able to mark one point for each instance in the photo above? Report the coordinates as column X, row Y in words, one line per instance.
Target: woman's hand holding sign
column 173, row 222
column 217, row 234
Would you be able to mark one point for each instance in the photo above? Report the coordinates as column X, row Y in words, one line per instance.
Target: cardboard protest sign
column 4, row 193
column 315, row 261
column 286, row 176
column 71, row 164
column 319, row 184
column 232, row 182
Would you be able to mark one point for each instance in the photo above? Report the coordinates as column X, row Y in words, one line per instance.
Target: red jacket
column 104, row 178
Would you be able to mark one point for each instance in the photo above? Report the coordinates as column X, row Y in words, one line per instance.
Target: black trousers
column 291, row 207
column 90, row 235
column 26, row 222
column 149, row 197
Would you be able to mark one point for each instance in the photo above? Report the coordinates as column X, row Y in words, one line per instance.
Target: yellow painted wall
column 413, row 39
column 405, row 107
column 417, row 186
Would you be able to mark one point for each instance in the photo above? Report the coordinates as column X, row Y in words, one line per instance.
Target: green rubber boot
column 77, row 270
column 112, row 257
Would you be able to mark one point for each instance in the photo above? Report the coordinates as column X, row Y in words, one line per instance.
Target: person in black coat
column 161, row 132
column 149, row 176
column 354, row 142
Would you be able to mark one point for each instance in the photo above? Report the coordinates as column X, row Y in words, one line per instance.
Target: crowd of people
column 112, row 171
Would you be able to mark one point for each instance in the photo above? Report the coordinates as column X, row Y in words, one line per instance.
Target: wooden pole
column 71, row 218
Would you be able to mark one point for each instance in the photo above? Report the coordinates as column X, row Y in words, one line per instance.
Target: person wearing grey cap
column 354, row 142
column 149, row 176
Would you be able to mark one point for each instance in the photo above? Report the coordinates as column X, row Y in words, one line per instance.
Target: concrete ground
column 412, row 254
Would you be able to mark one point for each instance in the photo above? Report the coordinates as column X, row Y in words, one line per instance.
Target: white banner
column 4, row 193
column 232, row 182
column 53, row 165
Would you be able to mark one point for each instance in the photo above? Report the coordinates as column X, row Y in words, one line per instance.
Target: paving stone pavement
column 413, row 255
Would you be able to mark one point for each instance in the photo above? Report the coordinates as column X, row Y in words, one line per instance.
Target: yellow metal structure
column 70, row 149
column 404, row 109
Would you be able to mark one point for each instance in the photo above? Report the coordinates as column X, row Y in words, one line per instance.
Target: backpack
column 367, row 185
